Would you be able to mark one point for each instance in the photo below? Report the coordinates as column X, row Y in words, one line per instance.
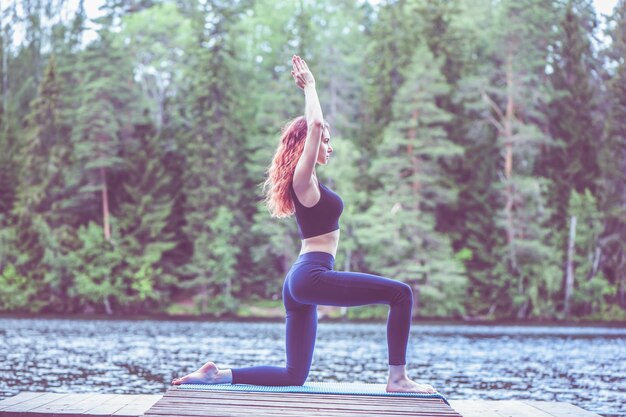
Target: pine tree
column 514, row 94
column 216, row 159
column 103, row 123
column 144, row 237
column 103, row 130
column 43, row 156
column 571, row 161
column 393, row 37
column 589, row 287
column 613, row 163
column 404, row 237
column 455, row 33
column 45, row 152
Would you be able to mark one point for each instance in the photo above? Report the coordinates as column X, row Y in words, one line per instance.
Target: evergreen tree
column 612, row 198
column 589, row 287
column 43, row 156
column 103, row 131
column 216, row 156
column 571, row 160
column 515, row 94
column 404, row 239
column 103, row 124
column 45, row 152
column 393, row 37
column 470, row 220
column 156, row 39
column 144, row 236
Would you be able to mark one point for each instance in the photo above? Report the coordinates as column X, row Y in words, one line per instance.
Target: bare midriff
column 323, row 243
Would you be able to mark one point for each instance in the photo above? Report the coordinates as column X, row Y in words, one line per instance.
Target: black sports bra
column 321, row 218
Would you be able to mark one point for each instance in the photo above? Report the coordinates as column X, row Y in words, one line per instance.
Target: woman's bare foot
column 406, row 385
column 207, row 374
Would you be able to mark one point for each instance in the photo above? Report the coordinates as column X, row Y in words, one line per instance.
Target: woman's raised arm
column 315, row 120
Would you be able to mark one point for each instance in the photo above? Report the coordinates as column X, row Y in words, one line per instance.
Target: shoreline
column 323, row 319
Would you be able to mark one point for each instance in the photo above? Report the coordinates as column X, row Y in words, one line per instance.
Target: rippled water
column 580, row 365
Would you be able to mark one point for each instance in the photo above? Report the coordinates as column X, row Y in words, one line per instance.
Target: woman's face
column 325, row 150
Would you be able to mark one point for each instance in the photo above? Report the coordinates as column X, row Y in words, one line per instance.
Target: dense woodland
column 479, row 148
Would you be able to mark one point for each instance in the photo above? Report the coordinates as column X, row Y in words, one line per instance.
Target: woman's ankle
column 224, row 376
column 397, row 372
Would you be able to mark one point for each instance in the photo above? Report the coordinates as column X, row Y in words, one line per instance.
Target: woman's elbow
column 316, row 124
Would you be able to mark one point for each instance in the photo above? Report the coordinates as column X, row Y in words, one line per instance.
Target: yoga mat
column 352, row 388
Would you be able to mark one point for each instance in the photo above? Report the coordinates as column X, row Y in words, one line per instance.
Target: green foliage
column 591, row 287
column 572, row 160
column 144, row 225
column 612, row 183
column 16, row 292
column 368, row 312
column 97, row 269
column 403, row 240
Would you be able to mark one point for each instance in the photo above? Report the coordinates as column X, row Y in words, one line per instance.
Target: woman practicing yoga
column 292, row 186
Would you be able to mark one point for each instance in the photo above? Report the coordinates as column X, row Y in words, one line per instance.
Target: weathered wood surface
column 35, row 404
column 481, row 408
column 181, row 403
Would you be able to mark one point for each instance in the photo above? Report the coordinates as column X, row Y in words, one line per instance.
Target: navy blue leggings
column 312, row 281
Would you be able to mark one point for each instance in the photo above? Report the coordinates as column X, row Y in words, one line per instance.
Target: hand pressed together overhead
column 301, row 73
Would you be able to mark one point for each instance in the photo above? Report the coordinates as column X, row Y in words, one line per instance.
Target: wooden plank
column 139, row 406
column 309, row 398
column 330, row 407
column 173, row 393
column 482, row 408
column 83, row 407
column 518, row 409
column 302, row 410
column 111, row 406
column 19, row 398
column 79, row 405
column 559, row 409
column 31, row 404
column 473, row 408
column 297, row 396
column 61, row 405
column 272, row 404
column 220, row 411
column 407, row 406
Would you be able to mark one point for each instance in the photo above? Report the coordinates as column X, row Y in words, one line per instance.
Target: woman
column 292, row 186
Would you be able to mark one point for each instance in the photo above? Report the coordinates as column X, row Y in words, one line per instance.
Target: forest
column 479, row 148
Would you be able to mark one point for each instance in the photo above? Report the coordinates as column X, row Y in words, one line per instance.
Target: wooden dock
column 182, row 403
column 179, row 402
column 31, row 404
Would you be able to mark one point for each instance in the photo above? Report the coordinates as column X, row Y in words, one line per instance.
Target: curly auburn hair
column 280, row 172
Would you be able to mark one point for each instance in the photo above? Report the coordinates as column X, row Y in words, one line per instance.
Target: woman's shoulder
column 309, row 195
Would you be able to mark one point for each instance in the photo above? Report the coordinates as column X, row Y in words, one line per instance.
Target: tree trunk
column 508, row 165
column 107, row 305
column 105, row 205
column 621, row 281
column 412, row 134
column 332, row 85
column 5, row 68
column 569, row 268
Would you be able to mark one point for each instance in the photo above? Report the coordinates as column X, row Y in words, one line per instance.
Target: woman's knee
column 297, row 376
column 404, row 294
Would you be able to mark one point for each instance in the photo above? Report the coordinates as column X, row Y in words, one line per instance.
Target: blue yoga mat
column 314, row 388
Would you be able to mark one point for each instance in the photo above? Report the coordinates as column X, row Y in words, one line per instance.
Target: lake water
column 585, row 366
